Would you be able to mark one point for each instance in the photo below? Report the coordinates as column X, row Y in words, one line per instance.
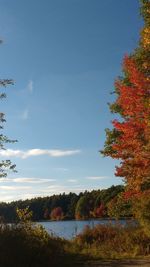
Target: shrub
column 28, row 246
column 114, row 241
column 141, row 209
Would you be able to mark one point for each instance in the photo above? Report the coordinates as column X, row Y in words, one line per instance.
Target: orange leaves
column 132, row 145
column 133, row 96
column 57, row 214
column 100, row 211
column 129, row 140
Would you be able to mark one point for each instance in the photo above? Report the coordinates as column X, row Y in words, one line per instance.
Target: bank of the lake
column 28, row 244
column 69, row 229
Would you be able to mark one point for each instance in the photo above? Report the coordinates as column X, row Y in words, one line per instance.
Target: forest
column 94, row 204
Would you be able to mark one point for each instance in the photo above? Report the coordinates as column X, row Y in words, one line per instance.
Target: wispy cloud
column 72, row 180
column 32, row 180
column 30, row 86
column 96, row 177
column 12, row 188
column 25, row 114
column 59, row 189
column 15, row 192
column 38, row 152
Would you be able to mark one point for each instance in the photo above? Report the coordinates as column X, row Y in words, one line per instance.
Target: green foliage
column 111, row 136
column 145, row 11
column 119, row 207
column 106, row 195
column 141, row 210
column 42, row 207
column 82, row 210
column 142, row 53
column 5, row 165
column 72, row 206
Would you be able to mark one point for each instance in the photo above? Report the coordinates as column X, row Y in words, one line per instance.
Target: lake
column 69, row 229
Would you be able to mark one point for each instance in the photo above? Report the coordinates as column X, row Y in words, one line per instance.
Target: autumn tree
column 142, row 52
column 82, row 208
column 57, row 214
column 129, row 139
column 100, row 211
column 120, row 206
column 141, row 210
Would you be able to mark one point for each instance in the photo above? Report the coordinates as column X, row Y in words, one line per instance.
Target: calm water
column 69, row 229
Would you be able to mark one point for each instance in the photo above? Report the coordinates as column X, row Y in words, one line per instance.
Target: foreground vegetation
column 113, row 241
column 26, row 244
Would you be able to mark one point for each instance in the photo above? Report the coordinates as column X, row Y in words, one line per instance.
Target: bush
column 28, row 245
column 141, row 209
column 113, row 241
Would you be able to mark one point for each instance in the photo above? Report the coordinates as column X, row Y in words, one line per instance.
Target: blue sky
column 64, row 56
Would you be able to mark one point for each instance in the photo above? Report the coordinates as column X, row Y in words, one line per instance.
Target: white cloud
column 4, row 180
column 25, row 114
column 60, row 189
column 6, row 198
column 12, row 188
column 32, row 180
column 37, row 152
column 30, row 86
column 14, row 192
column 97, row 177
column 72, row 180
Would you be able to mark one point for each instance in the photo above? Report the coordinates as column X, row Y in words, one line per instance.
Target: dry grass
column 113, row 241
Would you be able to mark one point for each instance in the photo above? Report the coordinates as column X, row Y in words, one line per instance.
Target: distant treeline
column 85, row 205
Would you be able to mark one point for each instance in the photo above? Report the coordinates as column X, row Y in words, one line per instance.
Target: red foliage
column 100, row 211
column 133, row 144
column 131, row 194
column 57, row 214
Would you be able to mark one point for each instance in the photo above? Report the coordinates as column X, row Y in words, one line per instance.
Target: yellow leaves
column 24, row 215
column 146, row 66
column 145, row 37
